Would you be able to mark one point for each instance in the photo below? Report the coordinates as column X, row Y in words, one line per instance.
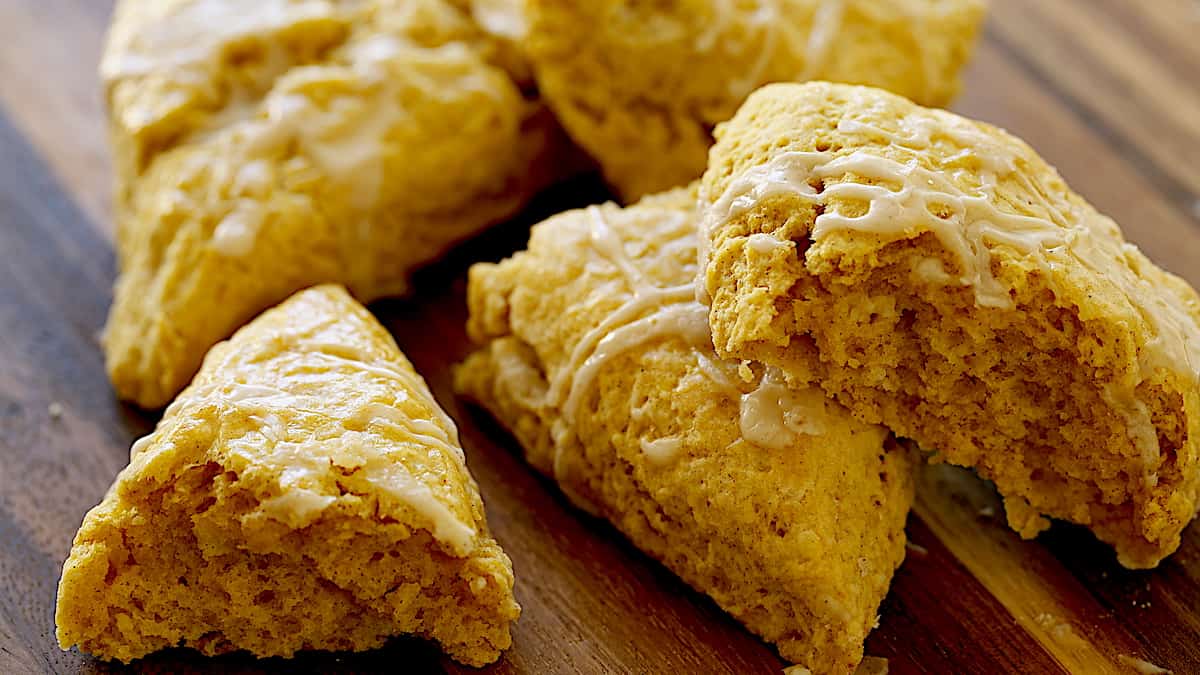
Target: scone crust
column 305, row 492
column 296, row 143
column 798, row 541
column 640, row 86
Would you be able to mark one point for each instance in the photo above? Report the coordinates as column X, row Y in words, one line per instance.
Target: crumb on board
column 55, row 410
column 987, row 511
column 872, row 665
column 916, row 549
column 1142, row 666
column 1061, row 630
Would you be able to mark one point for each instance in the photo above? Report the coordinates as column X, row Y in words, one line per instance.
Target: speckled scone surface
column 937, row 276
column 598, row 358
column 640, row 85
column 264, row 147
column 305, row 492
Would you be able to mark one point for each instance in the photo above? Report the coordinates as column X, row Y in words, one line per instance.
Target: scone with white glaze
column 305, row 492
column 640, row 85
column 935, row 275
column 264, row 147
column 777, row 504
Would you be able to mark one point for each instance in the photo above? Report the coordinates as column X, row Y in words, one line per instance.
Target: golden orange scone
column 640, row 85
column 937, row 276
column 264, row 147
column 305, row 492
column 777, row 504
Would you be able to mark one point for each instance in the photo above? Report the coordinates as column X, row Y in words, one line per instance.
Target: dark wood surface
column 1108, row 90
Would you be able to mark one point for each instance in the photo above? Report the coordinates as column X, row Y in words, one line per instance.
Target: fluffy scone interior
column 305, row 492
column 640, row 85
column 936, row 276
column 777, row 504
column 264, row 148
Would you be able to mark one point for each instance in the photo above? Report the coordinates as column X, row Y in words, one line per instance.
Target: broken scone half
column 935, row 275
column 640, row 85
column 777, row 504
column 266, row 147
column 305, row 492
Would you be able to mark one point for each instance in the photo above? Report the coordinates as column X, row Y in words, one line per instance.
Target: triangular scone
column 936, row 275
column 264, row 147
column 640, row 85
column 305, row 492
column 779, row 505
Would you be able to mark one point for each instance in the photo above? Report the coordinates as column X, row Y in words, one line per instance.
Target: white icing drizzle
column 649, row 312
column 344, row 141
column 662, row 450
column 444, row 435
column 687, row 320
column 764, row 20
column 345, row 137
column 396, row 481
column 300, row 500
column 908, row 199
column 502, row 18
column 567, row 385
column 387, row 475
column 931, row 271
column 235, row 234
column 195, row 33
column 299, row 504
column 770, row 26
column 419, row 430
column 775, row 416
column 771, row 416
column 827, row 21
column 767, row 244
column 715, row 369
column 250, row 398
column 902, row 205
column 341, row 131
column 296, row 506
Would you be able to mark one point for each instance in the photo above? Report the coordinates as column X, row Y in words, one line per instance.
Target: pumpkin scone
column 305, row 492
column 640, row 85
column 935, row 275
column 777, row 504
column 264, row 147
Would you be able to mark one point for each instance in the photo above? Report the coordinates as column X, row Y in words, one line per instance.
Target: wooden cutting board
column 1108, row 90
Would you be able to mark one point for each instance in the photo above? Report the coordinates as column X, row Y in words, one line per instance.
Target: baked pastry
column 640, row 85
column 260, row 150
column 777, row 504
column 936, row 276
column 305, row 492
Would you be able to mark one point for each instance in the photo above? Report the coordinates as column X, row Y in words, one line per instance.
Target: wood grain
column 1092, row 58
column 48, row 58
column 1105, row 89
